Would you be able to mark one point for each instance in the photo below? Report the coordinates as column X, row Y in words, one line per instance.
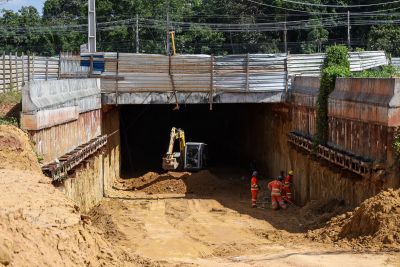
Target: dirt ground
column 205, row 219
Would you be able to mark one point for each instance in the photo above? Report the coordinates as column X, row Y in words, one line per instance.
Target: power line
column 319, row 13
column 328, row 22
column 339, row 6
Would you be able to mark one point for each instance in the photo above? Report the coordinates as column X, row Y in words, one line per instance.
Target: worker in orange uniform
column 276, row 187
column 254, row 189
column 287, row 183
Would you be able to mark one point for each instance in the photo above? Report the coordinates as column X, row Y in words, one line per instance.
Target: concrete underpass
column 145, row 131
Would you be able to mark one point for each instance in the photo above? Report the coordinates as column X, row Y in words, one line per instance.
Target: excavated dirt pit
column 182, row 219
column 212, row 224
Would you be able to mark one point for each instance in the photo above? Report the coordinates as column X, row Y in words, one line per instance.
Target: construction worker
column 287, row 183
column 276, row 199
column 281, row 176
column 254, row 189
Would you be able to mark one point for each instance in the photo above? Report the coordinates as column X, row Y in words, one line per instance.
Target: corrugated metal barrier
column 204, row 73
column 396, row 62
column 126, row 72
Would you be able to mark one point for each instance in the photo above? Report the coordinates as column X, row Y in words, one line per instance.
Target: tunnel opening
column 229, row 130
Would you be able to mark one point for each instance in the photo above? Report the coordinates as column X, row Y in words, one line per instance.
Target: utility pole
column 92, row 26
column 137, row 34
column 167, row 31
column 348, row 30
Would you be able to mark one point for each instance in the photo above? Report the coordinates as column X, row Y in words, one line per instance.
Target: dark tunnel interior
column 145, row 132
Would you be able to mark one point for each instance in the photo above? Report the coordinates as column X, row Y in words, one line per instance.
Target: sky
column 17, row 4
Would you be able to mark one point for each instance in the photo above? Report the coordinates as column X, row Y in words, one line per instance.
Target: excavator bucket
column 170, row 164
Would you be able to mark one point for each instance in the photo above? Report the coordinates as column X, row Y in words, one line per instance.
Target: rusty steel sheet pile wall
column 304, row 103
column 61, row 115
column 363, row 114
column 85, row 186
column 111, row 156
column 313, row 179
column 53, row 142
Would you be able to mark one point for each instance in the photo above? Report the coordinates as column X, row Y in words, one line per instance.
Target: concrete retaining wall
column 61, row 115
column 85, row 185
column 47, row 95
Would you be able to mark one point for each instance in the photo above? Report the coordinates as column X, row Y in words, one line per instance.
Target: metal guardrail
column 59, row 169
column 332, row 155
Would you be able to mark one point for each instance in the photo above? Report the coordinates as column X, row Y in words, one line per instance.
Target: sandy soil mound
column 16, row 150
column 39, row 226
column 200, row 183
column 374, row 225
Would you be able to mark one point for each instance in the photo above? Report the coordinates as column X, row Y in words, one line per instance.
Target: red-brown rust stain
column 394, row 117
column 56, row 141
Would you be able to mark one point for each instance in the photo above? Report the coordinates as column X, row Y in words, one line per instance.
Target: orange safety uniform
column 287, row 191
column 254, row 191
column 276, row 198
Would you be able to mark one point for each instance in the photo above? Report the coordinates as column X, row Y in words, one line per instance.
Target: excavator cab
column 191, row 156
column 195, row 156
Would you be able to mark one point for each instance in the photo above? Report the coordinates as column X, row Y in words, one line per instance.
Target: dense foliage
column 336, row 65
column 381, row 72
column 27, row 30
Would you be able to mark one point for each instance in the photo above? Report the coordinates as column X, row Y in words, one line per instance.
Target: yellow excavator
column 192, row 156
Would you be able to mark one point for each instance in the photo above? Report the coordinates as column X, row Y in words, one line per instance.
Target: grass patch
column 13, row 97
column 380, row 72
column 9, row 121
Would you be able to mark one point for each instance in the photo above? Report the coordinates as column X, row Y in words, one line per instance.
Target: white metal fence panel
column 45, row 68
column 305, row 64
column 360, row 61
column 13, row 72
column 396, row 62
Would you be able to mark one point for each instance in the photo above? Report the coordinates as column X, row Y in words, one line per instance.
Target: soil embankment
column 39, row 226
column 374, row 225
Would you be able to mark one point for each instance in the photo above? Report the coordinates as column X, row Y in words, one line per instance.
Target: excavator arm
column 172, row 160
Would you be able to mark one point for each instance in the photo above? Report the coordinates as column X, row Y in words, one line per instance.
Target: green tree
column 385, row 38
